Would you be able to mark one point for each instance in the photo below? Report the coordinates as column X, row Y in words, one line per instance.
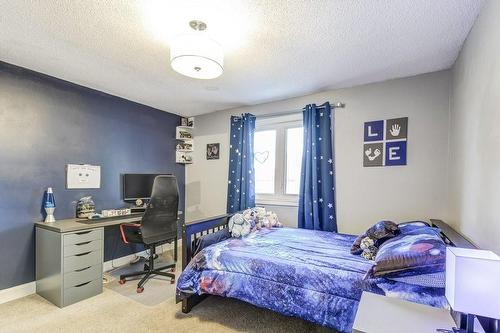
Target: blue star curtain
column 317, row 182
column 241, row 182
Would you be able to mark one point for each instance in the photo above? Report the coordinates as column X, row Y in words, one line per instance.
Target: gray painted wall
column 364, row 195
column 46, row 123
column 475, row 134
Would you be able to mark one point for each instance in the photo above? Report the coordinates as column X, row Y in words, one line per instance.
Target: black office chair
column 158, row 226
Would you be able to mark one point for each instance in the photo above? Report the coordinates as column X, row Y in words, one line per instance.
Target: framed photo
column 190, row 122
column 184, row 121
column 213, row 150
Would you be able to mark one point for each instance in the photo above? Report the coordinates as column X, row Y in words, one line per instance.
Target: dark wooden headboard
column 451, row 236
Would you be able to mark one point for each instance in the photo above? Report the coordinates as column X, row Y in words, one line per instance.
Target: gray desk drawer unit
column 69, row 265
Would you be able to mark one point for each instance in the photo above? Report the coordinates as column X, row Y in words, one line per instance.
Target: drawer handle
column 83, row 243
column 83, row 269
column 83, row 232
column 83, row 254
column 82, row 284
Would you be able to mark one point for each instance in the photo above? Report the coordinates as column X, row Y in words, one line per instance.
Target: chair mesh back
column 159, row 222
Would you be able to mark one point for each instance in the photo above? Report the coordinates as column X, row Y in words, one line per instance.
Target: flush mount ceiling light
column 197, row 55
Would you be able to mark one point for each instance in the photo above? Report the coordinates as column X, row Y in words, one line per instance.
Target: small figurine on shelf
column 190, row 122
column 185, row 135
column 184, row 146
column 184, row 121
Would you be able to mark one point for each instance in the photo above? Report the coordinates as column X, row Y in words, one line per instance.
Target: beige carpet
column 122, row 310
column 157, row 290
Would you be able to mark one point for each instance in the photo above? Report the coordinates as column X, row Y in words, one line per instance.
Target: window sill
column 277, row 202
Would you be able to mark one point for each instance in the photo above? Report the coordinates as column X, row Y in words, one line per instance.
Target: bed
column 307, row 274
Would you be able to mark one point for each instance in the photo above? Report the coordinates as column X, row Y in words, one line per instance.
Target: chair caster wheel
column 139, row 290
column 172, row 281
column 122, row 281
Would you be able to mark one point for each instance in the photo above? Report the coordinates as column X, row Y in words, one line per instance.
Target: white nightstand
column 382, row 314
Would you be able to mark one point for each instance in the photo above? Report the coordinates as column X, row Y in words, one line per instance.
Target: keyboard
column 102, row 219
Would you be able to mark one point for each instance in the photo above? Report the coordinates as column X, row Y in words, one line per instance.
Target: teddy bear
column 239, row 226
column 252, row 219
column 271, row 220
column 369, row 248
column 379, row 233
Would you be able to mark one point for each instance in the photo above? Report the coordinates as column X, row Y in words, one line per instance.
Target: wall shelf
column 185, row 144
column 183, row 158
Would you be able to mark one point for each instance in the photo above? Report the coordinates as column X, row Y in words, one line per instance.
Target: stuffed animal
column 239, row 226
column 369, row 248
column 252, row 219
column 249, row 215
column 260, row 214
column 379, row 233
column 257, row 215
column 271, row 220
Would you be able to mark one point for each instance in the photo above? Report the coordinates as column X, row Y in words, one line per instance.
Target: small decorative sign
column 83, row 176
column 213, row 150
column 385, row 142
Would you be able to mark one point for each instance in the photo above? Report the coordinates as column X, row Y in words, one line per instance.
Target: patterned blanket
column 308, row 274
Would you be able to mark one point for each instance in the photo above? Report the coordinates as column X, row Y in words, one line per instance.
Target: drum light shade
column 473, row 281
column 196, row 55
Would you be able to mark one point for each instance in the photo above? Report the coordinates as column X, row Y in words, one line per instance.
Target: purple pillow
column 419, row 251
column 406, row 227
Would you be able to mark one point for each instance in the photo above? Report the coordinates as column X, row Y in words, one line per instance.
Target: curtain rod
column 338, row 105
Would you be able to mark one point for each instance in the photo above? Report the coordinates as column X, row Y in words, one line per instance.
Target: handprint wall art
column 385, row 142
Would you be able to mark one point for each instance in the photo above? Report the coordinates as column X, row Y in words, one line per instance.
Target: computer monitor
column 138, row 185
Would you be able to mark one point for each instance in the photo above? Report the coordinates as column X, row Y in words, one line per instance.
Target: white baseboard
column 13, row 293
column 111, row 264
column 10, row 294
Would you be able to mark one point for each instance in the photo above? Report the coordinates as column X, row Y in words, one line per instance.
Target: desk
column 72, row 225
column 70, row 255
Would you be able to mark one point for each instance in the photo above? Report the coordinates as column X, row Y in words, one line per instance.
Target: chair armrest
column 124, row 226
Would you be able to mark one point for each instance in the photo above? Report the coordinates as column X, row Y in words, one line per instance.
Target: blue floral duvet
column 296, row 272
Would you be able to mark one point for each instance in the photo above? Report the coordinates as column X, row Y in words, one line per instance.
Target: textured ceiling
column 274, row 49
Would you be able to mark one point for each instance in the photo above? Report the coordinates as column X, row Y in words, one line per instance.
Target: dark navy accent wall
column 46, row 123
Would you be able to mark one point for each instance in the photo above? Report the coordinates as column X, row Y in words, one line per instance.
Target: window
column 278, row 159
column 294, row 138
column 265, row 161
